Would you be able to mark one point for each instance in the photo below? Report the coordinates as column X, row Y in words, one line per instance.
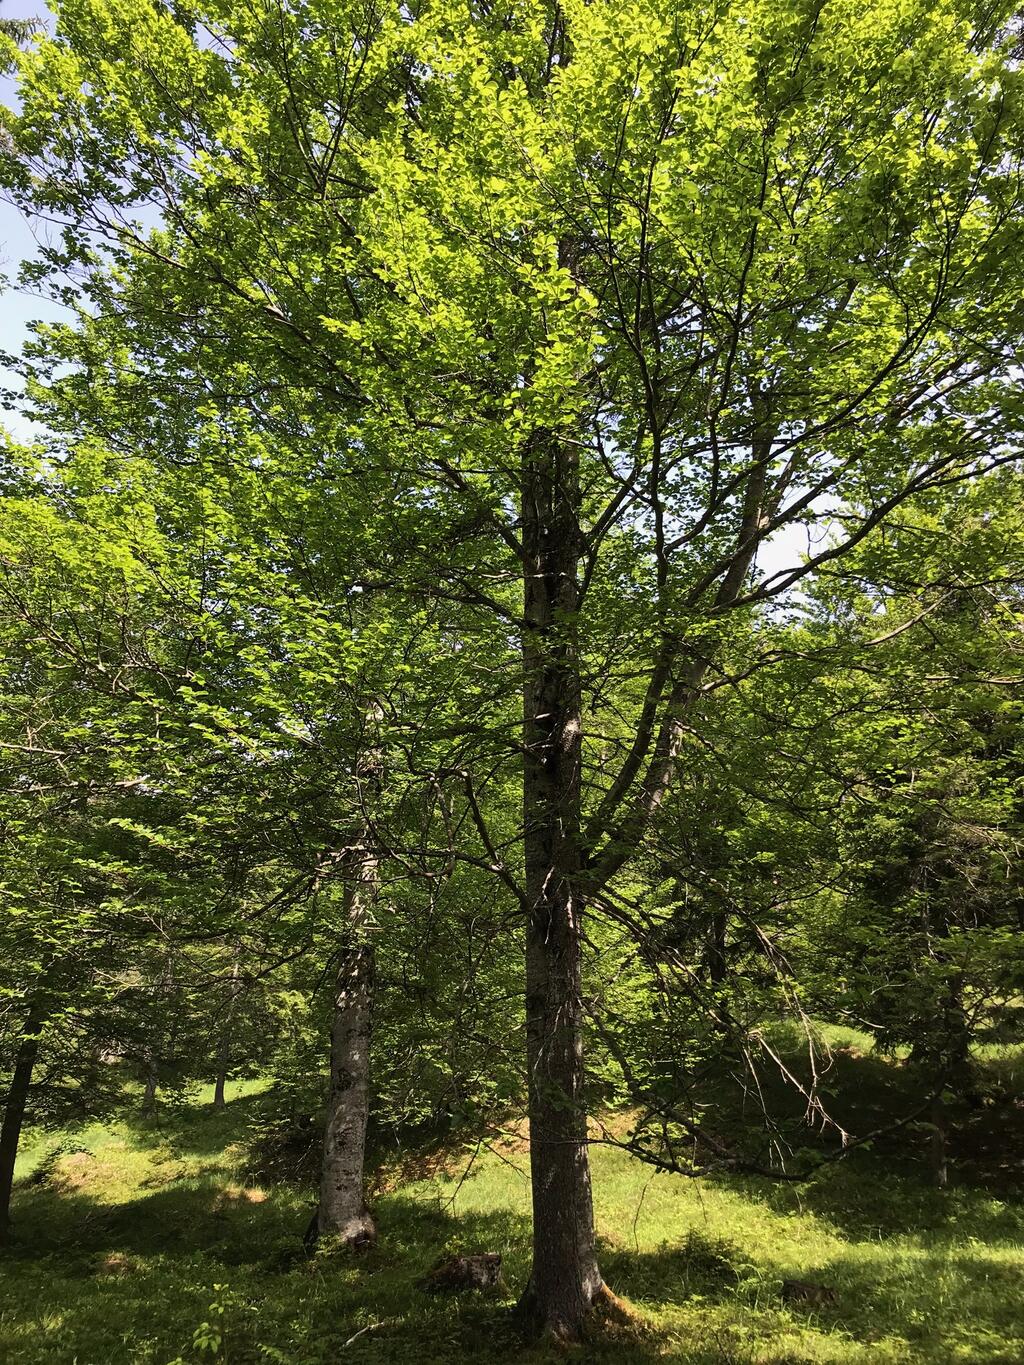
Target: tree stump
column 456, row 1273
column 803, row 1292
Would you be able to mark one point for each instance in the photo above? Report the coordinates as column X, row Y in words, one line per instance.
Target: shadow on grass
column 149, row 1265
column 928, row 1303
column 191, row 1129
column 700, row 1265
column 932, row 1270
column 868, row 1198
column 201, row 1216
column 943, row 1304
column 112, row 1275
column 221, row 1220
column 93, row 1281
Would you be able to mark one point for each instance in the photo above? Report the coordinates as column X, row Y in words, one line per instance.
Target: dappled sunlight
column 138, row 1235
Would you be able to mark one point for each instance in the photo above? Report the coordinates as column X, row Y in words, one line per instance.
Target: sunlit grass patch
column 138, row 1233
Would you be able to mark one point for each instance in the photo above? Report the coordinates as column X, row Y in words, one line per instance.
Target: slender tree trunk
column 224, row 1043
column 565, row 1279
column 343, row 1213
column 152, row 1082
column 14, row 1108
column 717, row 967
column 939, row 1162
column 161, row 1046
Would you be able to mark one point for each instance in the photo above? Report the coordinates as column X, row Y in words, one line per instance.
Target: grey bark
column 343, row 1213
column 152, row 1082
column 565, row 1280
column 939, row 1162
column 224, row 1043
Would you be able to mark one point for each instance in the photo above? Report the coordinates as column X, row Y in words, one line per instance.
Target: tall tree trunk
column 14, row 1108
column 343, row 1213
column 224, row 1042
column 565, row 1279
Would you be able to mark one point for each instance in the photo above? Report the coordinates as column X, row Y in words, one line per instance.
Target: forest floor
column 148, row 1241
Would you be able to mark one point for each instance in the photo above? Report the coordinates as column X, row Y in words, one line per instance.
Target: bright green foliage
column 745, row 258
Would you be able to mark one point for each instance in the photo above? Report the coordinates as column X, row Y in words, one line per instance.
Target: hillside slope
column 151, row 1243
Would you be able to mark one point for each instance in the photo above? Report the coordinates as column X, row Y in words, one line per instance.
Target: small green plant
column 209, row 1338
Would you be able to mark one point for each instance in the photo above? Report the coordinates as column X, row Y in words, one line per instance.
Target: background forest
column 511, row 730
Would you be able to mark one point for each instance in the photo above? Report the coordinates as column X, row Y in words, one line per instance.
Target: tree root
column 608, row 1315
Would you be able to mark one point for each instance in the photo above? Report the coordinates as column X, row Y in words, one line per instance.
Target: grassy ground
column 147, row 1242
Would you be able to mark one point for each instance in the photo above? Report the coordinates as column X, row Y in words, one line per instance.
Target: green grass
column 123, row 1245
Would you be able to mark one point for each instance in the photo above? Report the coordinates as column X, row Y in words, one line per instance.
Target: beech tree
column 587, row 301
column 70, row 803
column 263, row 669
